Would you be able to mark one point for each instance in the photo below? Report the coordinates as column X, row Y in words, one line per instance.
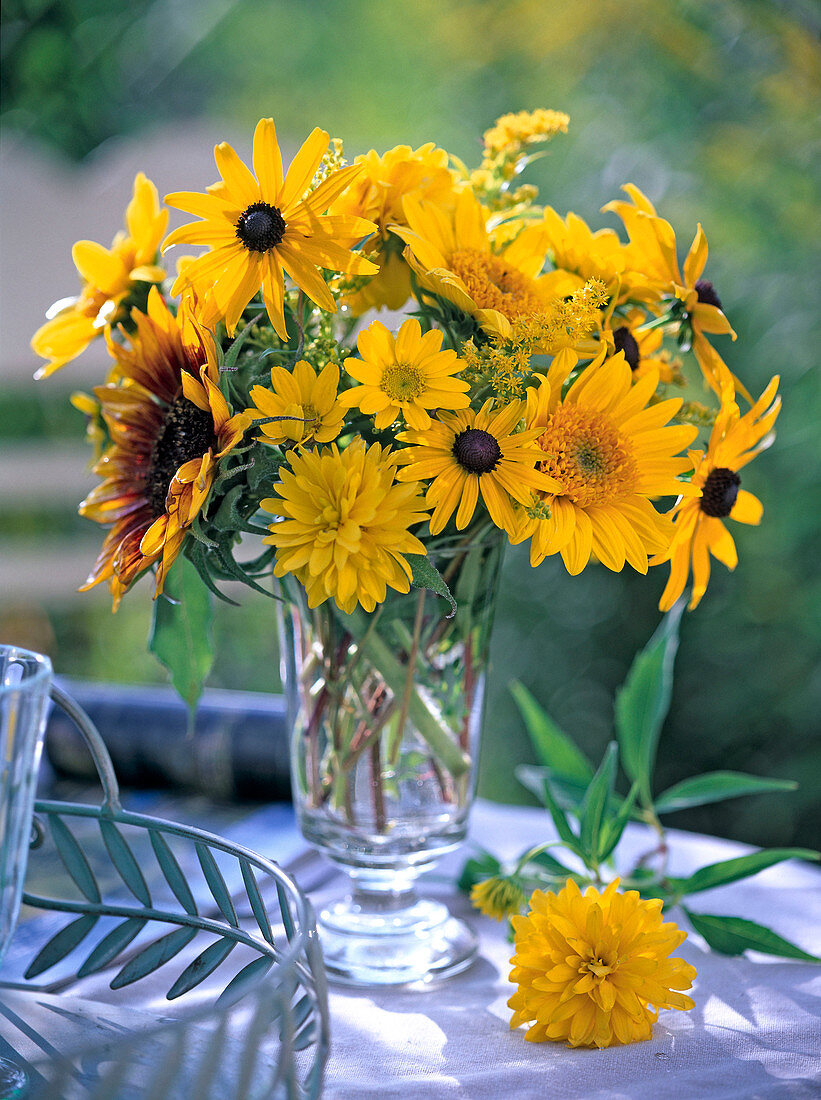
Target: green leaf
column 593, row 812
column 554, row 748
column 731, row 870
column 198, row 970
column 642, row 703
column 614, row 828
column 173, row 873
column 426, row 575
column 181, row 630
column 243, row 982
column 715, row 787
column 255, row 898
column 559, row 819
column 733, row 936
column 111, row 945
column 62, row 944
column 74, row 859
column 550, row 864
column 476, row 869
column 216, row 884
column 154, row 956
column 124, row 860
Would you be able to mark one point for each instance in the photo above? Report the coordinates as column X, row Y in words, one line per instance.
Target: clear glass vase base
column 420, row 942
column 13, row 1081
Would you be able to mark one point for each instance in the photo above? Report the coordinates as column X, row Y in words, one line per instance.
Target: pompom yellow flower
column 114, row 279
column 497, row 897
column 511, row 133
column 345, row 525
column 405, row 375
column 699, row 521
column 258, row 225
column 307, row 399
column 612, row 454
column 593, row 969
column 377, row 194
column 468, row 453
column 169, row 426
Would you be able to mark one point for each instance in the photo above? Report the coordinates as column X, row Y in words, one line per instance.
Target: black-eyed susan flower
column 452, row 257
column 308, row 400
column 113, row 279
column 377, row 194
column 611, row 454
column 406, row 375
column 468, row 454
column 169, row 426
column 258, row 224
column 345, row 525
column 594, row 969
column 642, row 347
column 699, row 520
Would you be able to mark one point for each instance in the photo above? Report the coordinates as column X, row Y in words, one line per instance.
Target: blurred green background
column 711, row 108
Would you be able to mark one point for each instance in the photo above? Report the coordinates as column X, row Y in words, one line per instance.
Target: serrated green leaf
column 715, row 787
column 554, row 748
column 216, row 884
column 734, row 936
column 731, row 870
column 426, row 575
column 198, row 970
column 154, row 956
column 123, row 859
column 181, row 630
column 476, row 869
column 173, row 873
column 111, row 945
column 74, row 859
column 593, row 812
column 244, row 981
column 644, row 699
column 62, row 944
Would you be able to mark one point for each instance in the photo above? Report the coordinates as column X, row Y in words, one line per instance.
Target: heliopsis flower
column 114, row 279
column 699, row 528
column 169, row 426
column 409, row 375
column 256, row 226
column 345, row 525
column 309, row 401
column 498, row 897
column 593, row 969
column 452, row 257
column 376, row 194
column 468, row 453
column 579, row 254
column 611, row 454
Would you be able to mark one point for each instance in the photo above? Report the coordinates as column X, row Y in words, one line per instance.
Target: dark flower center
column 706, row 294
column 719, row 492
column 187, row 433
column 261, row 227
column 476, row 451
column 625, row 341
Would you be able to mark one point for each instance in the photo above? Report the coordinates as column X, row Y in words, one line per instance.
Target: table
column 754, row 1032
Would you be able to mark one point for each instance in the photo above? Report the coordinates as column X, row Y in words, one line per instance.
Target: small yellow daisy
column 308, row 400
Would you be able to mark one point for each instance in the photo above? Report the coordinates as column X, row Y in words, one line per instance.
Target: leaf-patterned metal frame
column 283, row 988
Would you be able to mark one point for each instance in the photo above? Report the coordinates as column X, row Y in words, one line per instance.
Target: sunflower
column 345, row 525
column 169, row 426
column 593, row 969
column 377, row 194
column 309, row 400
column 467, row 452
column 409, row 375
column 611, row 454
column 699, row 528
column 653, row 241
column 452, row 257
column 256, row 226
column 111, row 276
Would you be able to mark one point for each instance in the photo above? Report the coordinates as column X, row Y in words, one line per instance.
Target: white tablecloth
column 754, row 1032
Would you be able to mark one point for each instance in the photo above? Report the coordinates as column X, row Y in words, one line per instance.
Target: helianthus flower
column 699, row 528
column 110, row 277
column 498, row 897
column 345, row 525
column 610, row 453
column 452, row 257
column 169, row 425
column 593, row 969
column 654, row 243
column 409, row 375
column 376, row 194
column 256, row 226
column 309, row 400
column 469, row 452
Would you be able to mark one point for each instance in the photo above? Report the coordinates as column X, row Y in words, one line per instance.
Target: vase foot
column 421, row 942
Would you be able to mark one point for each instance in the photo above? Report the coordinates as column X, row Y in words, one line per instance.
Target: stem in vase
column 377, row 790
column 399, row 730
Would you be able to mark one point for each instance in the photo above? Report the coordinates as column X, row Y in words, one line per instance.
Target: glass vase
column 386, row 715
